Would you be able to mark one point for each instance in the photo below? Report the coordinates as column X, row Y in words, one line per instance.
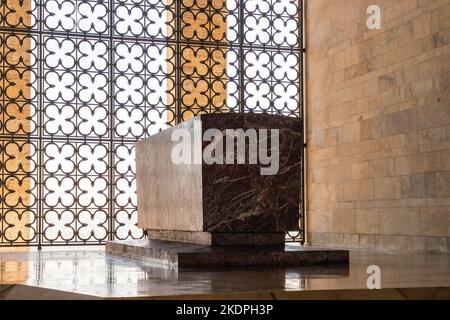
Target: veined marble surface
column 93, row 272
column 221, row 197
column 204, row 257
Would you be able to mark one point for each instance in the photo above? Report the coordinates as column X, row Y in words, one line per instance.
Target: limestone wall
column 378, row 118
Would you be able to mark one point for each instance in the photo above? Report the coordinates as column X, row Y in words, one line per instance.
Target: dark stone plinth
column 182, row 255
column 220, row 198
column 220, row 239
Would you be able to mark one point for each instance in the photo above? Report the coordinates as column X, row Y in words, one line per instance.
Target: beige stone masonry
column 378, row 121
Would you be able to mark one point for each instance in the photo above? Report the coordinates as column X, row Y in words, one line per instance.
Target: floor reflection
column 96, row 273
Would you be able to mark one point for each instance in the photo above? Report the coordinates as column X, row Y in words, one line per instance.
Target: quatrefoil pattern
column 83, row 80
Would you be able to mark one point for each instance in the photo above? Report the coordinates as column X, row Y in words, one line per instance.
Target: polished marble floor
column 93, row 272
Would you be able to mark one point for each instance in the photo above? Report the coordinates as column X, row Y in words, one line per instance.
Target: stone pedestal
column 182, row 255
column 200, row 213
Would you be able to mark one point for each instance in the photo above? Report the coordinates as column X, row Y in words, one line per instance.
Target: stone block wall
column 378, row 124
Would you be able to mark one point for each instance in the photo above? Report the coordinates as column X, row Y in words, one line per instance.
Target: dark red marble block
column 221, row 198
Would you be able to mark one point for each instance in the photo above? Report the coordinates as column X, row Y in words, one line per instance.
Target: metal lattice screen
column 83, row 80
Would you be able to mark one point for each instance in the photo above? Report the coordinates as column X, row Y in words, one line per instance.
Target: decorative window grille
column 83, row 80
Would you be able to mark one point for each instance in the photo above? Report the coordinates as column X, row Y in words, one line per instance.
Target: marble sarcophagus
column 224, row 203
column 222, row 190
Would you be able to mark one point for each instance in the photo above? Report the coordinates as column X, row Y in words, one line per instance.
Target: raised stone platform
column 221, row 238
column 183, row 255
